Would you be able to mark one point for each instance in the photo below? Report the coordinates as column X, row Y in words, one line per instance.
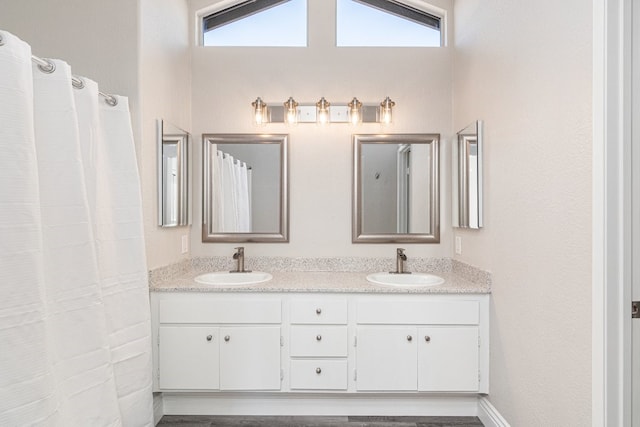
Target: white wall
column 165, row 87
column 227, row 80
column 525, row 69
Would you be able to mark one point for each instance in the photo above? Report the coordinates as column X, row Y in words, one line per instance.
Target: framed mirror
column 467, row 177
column 174, row 187
column 245, row 188
column 396, row 188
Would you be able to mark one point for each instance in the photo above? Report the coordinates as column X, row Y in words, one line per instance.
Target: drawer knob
column 409, row 338
column 318, row 311
column 227, row 338
column 427, row 338
column 318, row 337
column 209, row 337
column 318, row 371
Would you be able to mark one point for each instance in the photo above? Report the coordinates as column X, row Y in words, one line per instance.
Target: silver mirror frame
column 167, row 133
column 467, row 177
column 434, row 200
column 209, row 235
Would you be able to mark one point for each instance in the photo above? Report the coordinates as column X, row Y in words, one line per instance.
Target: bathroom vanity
column 320, row 343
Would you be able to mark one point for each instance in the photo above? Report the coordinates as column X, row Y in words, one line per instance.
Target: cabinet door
column 448, row 358
column 188, row 357
column 250, row 358
column 386, row 358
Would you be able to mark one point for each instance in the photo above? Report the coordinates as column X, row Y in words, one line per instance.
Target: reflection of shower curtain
column 75, row 342
column 231, row 194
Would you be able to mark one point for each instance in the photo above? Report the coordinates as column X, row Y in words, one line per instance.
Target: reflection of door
column 635, row 215
column 403, row 188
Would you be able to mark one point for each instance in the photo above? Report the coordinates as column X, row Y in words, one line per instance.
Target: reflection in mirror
column 396, row 193
column 245, row 188
column 173, row 175
column 467, row 177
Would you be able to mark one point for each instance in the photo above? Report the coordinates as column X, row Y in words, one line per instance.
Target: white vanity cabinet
column 418, row 345
column 209, row 342
column 295, row 351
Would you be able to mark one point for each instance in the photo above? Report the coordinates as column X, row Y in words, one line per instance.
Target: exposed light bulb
column 259, row 111
column 291, row 110
column 322, row 111
column 355, row 111
column 386, row 111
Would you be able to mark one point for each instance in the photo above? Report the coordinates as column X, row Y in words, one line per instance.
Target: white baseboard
column 158, row 408
column 318, row 404
column 489, row 415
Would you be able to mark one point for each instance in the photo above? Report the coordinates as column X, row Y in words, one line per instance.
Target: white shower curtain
column 231, row 194
column 74, row 311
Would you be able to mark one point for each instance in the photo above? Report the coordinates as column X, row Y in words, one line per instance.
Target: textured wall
column 525, row 68
column 227, row 80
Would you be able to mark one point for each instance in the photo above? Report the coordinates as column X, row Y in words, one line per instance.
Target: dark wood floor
column 242, row 421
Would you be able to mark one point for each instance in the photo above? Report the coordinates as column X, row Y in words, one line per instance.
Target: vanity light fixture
column 260, row 112
column 386, row 111
column 322, row 111
column 355, row 111
column 291, row 111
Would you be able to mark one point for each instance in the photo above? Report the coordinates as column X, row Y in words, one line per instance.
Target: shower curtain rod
column 47, row 66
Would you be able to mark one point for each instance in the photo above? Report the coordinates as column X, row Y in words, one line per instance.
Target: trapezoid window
column 383, row 23
column 257, row 23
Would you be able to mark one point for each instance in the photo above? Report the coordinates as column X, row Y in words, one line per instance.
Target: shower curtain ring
column 111, row 100
column 49, row 68
column 77, row 82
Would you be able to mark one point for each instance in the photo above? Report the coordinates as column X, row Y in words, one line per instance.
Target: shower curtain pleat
column 218, row 202
column 82, row 367
column 27, row 389
column 122, row 263
column 74, row 309
column 229, row 194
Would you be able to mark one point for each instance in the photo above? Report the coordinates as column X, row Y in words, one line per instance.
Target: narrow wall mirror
column 245, row 191
column 174, row 187
column 396, row 188
column 467, row 177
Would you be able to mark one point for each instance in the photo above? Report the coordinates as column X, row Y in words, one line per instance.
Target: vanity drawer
column 319, row 374
column 318, row 341
column 406, row 312
column 227, row 310
column 319, row 311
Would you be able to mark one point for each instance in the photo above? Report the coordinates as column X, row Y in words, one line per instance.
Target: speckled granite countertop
column 324, row 281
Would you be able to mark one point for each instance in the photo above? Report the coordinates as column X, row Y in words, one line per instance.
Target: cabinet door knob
column 409, row 338
column 318, row 337
column 209, row 337
column 227, row 338
column 318, row 371
column 318, row 311
column 427, row 338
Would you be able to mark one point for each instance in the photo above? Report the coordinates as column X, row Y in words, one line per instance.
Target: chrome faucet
column 239, row 256
column 401, row 257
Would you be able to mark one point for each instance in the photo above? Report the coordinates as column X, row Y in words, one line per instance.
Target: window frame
column 229, row 11
column 413, row 8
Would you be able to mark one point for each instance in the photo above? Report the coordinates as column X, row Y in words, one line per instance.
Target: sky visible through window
column 282, row 25
column 361, row 25
column 356, row 25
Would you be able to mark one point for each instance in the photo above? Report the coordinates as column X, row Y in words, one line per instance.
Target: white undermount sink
column 226, row 278
column 413, row 280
